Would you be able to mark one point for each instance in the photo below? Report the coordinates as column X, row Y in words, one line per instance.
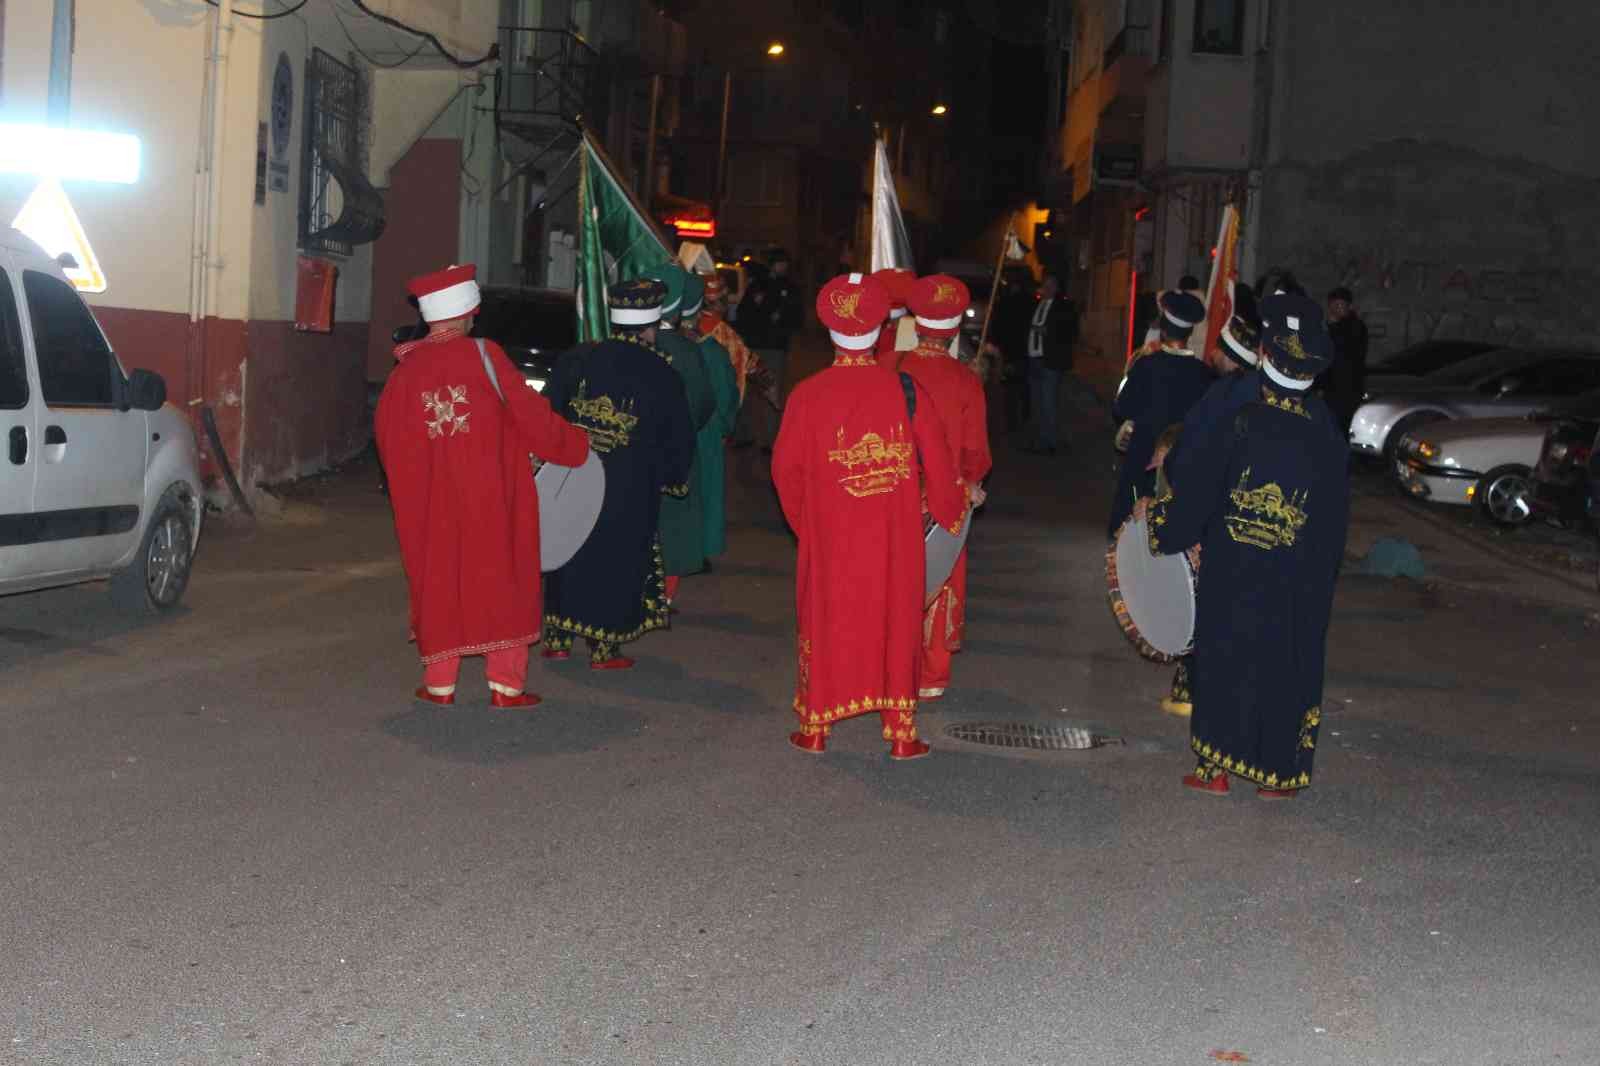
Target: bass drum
column 1152, row 596
column 569, row 505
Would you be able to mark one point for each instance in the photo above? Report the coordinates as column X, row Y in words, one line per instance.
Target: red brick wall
column 286, row 403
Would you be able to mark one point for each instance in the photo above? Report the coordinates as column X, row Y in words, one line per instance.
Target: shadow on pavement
column 479, row 734
column 666, row 681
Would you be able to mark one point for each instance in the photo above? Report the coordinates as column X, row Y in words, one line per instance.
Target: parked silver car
column 1503, row 383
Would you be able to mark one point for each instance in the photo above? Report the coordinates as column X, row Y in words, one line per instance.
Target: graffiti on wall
column 1406, row 299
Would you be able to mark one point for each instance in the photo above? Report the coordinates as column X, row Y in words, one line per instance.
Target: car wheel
column 159, row 573
column 1503, row 495
column 1407, row 425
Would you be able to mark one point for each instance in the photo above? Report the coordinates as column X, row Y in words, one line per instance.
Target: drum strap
column 488, row 368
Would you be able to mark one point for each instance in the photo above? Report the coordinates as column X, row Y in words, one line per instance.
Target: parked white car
column 1484, row 461
column 101, row 477
column 1499, row 384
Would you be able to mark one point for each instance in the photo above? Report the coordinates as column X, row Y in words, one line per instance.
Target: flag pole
column 994, row 286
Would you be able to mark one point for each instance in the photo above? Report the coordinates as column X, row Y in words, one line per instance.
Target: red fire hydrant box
column 313, row 295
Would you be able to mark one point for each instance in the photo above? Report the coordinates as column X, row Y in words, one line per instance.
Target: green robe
column 711, row 441
column 683, row 533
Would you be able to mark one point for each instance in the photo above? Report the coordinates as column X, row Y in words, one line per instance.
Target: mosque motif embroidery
column 1264, row 517
column 873, row 465
column 609, row 425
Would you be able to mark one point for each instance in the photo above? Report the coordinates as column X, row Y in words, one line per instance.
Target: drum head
column 569, row 505
column 1151, row 595
column 943, row 549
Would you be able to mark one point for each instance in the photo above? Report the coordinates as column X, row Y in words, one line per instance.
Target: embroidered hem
column 1216, row 757
column 656, row 611
column 479, row 649
column 855, row 708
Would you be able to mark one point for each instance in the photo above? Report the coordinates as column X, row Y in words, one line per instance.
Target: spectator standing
column 1052, row 335
column 1345, row 382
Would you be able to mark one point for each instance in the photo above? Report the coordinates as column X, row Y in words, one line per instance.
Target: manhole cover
column 1028, row 736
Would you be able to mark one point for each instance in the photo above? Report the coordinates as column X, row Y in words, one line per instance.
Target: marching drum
column 569, row 505
column 1152, row 596
column 942, row 549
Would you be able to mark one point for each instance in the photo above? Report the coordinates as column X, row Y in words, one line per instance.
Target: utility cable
column 465, row 64
column 264, row 17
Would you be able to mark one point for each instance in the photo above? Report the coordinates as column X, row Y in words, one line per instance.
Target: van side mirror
column 146, row 391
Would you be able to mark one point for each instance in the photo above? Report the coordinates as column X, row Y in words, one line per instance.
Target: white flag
column 890, row 245
column 1014, row 249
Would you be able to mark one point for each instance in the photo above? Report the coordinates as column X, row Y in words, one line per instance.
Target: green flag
column 617, row 240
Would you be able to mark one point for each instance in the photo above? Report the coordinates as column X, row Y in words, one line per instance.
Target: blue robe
column 1268, row 499
column 625, row 395
column 1160, row 389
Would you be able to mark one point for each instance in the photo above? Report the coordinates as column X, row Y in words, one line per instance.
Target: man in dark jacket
column 769, row 315
column 1052, row 334
column 1343, row 383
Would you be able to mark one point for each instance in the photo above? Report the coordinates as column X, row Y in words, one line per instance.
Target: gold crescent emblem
column 944, row 292
column 845, row 304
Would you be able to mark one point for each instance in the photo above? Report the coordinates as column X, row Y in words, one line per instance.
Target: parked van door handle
column 55, row 435
column 19, row 445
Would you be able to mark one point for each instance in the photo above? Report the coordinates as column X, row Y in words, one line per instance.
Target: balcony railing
column 548, row 75
column 1129, row 41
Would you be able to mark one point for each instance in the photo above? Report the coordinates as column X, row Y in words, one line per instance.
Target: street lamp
column 940, row 109
column 775, row 48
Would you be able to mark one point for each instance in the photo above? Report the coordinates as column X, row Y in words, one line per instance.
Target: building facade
column 1363, row 145
column 264, row 142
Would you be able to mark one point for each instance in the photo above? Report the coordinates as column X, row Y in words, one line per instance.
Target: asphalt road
column 230, row 836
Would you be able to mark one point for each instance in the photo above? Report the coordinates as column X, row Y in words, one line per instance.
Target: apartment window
column 1219, row 27
column 755, row 180
column 332, row 143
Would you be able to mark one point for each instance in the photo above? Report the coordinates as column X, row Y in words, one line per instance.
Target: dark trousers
column 1044, row 392
column 1016, row 393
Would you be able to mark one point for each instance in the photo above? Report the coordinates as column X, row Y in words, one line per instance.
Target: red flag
column 1219, row 293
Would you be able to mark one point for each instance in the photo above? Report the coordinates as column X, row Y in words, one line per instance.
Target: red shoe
column 521, row 700
column 556, row 655
column 425, row 696
column 1277, row 793
column 1217, row 786
column 618, row 662
column 814, row 744
column 905, row 750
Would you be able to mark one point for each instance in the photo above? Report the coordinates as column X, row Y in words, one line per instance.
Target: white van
column 99, row 476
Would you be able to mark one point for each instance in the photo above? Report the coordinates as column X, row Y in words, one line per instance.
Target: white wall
column 137, row 68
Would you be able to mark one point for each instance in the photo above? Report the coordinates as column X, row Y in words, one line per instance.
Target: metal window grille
column 332, row 135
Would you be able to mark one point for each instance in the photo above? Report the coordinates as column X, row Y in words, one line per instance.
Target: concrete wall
column 1447, row 177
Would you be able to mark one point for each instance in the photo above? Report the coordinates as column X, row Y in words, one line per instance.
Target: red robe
column 845, row 465
column 466, row 510
column 959, row 399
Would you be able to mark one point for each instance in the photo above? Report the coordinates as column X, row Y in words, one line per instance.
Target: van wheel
column 159, row 573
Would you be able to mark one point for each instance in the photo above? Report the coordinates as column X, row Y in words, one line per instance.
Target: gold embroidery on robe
column 441, row 405
column 609, row 426
column 873, row 465
column 1263, row 517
